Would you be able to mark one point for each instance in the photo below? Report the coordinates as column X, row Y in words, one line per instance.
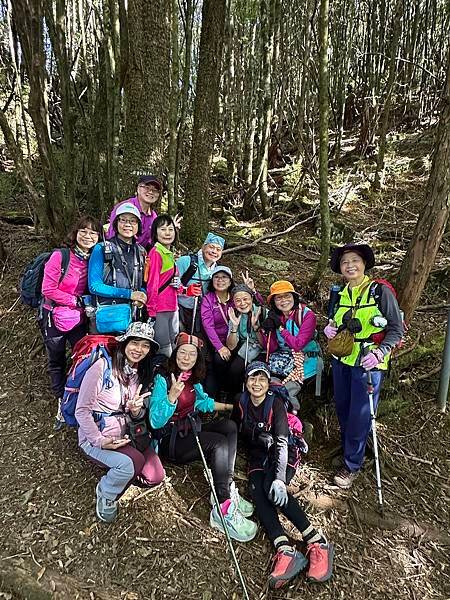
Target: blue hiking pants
column 353, row 409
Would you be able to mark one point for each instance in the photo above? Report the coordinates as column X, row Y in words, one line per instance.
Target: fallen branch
column 432, row 307
column 268, row 236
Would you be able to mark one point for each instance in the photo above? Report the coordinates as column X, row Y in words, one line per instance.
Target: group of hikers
column 184, row 339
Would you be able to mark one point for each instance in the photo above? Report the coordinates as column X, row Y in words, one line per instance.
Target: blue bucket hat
column 213, row 238
column 222, row 269
column 256, row 367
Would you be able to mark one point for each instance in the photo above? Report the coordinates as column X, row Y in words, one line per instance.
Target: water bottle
column 333, row 299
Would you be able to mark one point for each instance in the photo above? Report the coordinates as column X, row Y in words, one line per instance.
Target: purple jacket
column 147, row 220
column 215, row 319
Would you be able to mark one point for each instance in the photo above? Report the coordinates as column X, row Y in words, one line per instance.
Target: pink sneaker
column 320, row 561
column 286, row 565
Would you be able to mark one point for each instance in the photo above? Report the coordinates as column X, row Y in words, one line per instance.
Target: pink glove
column 371, row 360
column 330, row 331
column 195, row 289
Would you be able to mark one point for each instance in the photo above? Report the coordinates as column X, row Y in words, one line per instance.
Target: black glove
column 272, row 322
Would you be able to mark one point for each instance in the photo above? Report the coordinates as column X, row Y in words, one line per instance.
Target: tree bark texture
column 424, row 246
column 206, row 109
column 325, row 227
column 146, row 90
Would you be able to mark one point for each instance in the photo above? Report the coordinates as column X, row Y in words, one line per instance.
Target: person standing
column 367, row 309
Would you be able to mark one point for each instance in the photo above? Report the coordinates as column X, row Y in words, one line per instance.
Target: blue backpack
column 88, row 350
column 31, row 282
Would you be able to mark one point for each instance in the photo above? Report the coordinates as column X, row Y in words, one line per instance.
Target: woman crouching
column 266, row 433
column 176, row 394
column 104, row 412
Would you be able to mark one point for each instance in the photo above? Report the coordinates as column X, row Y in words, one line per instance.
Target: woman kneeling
column 269, row 473
column 176, row 394
column 104, row 412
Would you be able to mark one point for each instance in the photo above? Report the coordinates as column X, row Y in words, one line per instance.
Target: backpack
column 375, row 292
column 190, row 271
column 296, row 442
column 86, row 352
column 31, row 282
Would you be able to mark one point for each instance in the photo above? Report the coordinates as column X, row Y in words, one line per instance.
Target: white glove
column 278, row 493
column 176, row 282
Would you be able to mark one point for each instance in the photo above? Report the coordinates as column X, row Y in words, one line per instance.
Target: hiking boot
column 245, row 507
column 344, row 478
column 59, row 419
column 106, row 509
column 286, row 565
column 320, row 561
column 239, row 528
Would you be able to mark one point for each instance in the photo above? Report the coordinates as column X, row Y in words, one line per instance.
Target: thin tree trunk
column 325, row 226
column 172, row 192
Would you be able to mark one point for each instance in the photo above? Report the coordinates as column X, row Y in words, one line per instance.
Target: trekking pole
column 370, row 391
column 194, row 314
column 209, row 479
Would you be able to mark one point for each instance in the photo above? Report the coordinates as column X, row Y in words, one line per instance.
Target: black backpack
column 190, row 271
column 31, row 282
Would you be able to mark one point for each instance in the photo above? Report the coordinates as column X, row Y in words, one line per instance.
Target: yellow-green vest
column 365, row 312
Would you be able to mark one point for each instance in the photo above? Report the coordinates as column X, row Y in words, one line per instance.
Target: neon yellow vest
column 366, row 311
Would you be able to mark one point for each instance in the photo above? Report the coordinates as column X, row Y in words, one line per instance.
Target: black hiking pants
column 259, row 485
column 55, row 343
column 218, row 440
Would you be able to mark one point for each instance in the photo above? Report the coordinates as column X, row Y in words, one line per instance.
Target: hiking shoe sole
column 329, row 573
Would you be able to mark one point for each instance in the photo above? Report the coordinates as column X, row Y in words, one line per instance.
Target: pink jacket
column 93, row 397
column 73, row 284
column 295, row 342
column 162, row 269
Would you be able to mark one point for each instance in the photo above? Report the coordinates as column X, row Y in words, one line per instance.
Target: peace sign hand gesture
column 248, row 280
column 235, row 319
column 175, row 389
column 255, row 318
column 136, row 403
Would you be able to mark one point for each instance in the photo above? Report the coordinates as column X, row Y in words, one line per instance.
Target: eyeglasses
column 128, row 221
column 88, row 233
column 186, row 354
column 149, row 188
column 221, row 278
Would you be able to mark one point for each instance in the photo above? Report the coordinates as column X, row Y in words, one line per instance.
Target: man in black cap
column 148, row 192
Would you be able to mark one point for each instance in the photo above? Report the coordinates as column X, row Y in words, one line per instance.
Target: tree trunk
column 54, row 216
column 172, row 192
column 397, row 28
column 146, row 90
column 424, row 246
column 206, row 109
column 325, row 226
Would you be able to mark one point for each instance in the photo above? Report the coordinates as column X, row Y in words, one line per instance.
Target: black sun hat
column 363, row 250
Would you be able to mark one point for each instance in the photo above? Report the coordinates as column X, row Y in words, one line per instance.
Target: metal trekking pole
column 209, row 479
column 194, row 314
column 370, row 391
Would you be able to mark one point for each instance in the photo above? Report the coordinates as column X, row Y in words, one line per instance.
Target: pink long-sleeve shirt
column 73, row 284
column 93, row 397
column 162, row 269
column 295, row 342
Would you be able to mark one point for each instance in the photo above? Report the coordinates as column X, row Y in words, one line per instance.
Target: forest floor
column 161, row 546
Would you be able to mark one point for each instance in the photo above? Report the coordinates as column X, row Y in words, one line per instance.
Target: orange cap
column 280, row 287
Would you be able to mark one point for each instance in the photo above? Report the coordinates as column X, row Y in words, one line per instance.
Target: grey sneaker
column 344, row 478
column 59, row 419
column 106, row 509
column 239, row 528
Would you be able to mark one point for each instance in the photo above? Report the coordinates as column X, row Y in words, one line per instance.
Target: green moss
column 269, row 264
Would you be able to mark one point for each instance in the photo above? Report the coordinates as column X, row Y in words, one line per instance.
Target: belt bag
column 66, row 318
column 112, row 318
column 342, row 344
column 281, row 362
column 254, row 350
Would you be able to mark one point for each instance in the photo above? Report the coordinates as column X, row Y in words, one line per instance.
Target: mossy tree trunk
column 146, row 90
column 430, row 227
column 206, row 110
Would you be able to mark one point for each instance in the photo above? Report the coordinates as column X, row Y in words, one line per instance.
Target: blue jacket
column 202, row 275
column 162, row 410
